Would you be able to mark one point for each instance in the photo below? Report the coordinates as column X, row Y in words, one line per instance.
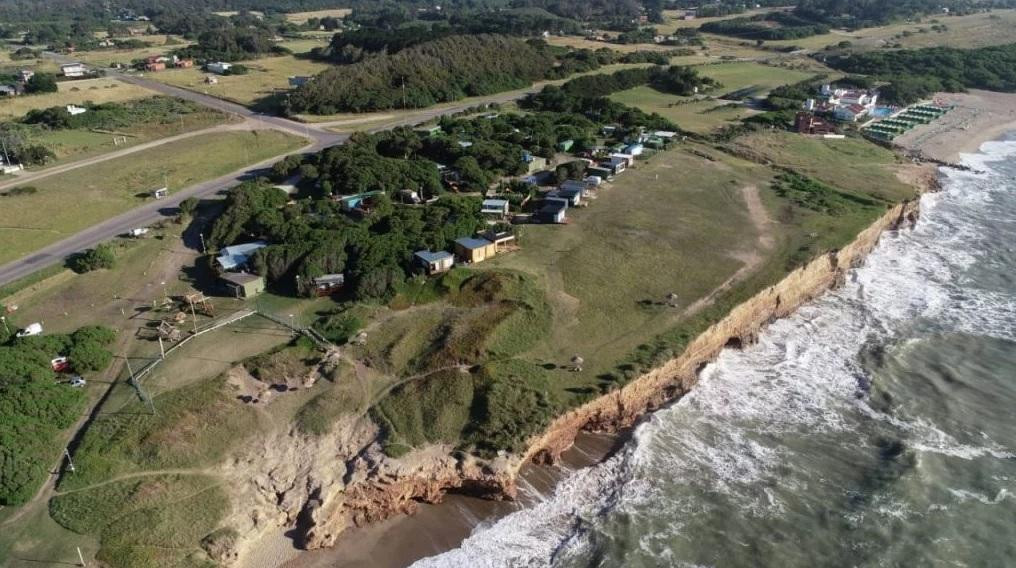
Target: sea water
column 875, row 427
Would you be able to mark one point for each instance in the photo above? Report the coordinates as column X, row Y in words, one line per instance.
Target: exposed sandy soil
column 978, row 117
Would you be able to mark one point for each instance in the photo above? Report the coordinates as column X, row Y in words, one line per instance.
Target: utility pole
column 194, row 317
column 204, row 247
column 6, row 329
column 162, row 350
column 70, row 463
column 81, row 558
column 403, row 92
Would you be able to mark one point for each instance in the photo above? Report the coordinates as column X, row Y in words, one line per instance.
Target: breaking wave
column 818, row 432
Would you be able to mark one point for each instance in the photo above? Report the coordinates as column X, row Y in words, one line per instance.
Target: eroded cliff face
column 326, row 485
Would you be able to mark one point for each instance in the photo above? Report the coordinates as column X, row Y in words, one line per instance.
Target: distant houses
column 300, row 80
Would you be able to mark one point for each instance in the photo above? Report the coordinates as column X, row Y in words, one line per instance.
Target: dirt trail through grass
column 752, row 258
column 136, row 474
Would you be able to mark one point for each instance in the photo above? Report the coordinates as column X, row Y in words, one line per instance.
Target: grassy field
column 76, row 144
column 853, row 164
column 673, row 21
column 707, row 115
column 304, row 44
column 697, row 116
column 302, row 17
column 74, row 92
column 267, row 76
column 759, row 78
column 98, row 192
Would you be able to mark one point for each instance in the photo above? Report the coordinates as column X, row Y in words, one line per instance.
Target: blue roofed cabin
column 237, row 256
column 434, row 262
column 495, row 208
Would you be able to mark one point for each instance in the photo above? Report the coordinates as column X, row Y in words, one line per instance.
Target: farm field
column 107, row 57
column 267, row 76
column 108, row 188
column 302, row 17
column 102, row 90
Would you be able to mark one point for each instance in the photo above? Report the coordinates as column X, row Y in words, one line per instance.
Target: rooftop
column 472, row 243
column 236, row 255
column 429, row 256
column 240, row 278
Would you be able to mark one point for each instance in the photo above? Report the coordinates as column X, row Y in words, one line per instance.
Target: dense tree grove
column 771, row 26
column 313, row 237
column 915, row 74
column 231, row 44
column 600, row 109
column 445, row 69
column 35, row 407
column 677, row 80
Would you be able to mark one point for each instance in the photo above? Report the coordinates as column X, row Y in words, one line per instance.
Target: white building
column 219, row 67
column 73, row 70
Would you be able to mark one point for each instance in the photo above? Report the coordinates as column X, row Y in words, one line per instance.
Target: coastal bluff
column 333, row 484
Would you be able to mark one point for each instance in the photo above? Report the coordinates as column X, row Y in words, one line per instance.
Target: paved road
column 317, row 134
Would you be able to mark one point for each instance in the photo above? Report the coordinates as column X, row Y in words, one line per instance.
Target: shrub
column 21, row 190
column 339, row 328
column 101, row 256
column 41, row 83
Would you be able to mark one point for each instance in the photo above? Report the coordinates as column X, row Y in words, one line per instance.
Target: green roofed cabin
column 243, row 285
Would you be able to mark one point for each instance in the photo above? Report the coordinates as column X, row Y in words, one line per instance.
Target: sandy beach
column 977, row 117
column 400, row 541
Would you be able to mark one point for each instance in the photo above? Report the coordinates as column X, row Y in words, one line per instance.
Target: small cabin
column 434, row 262
column 552, row 211
column 243, row 285
column 495, row 208
column 471, row 249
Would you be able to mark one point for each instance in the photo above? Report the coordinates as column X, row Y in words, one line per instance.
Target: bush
column 339, row 328
column 41, row 83
column 101, row 256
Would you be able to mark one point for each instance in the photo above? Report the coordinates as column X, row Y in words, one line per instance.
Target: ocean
column 875, row 427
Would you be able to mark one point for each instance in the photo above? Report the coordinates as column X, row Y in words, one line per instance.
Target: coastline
column 440, row 527
column 977, row 117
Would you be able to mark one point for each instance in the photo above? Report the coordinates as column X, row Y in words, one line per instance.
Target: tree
column 41, row 83
column 189, row 206
column 89, row 356
column 101, row 256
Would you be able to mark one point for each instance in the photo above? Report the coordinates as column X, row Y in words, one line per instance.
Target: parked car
column 60, row 365
column 77, row 381
column 33, row 329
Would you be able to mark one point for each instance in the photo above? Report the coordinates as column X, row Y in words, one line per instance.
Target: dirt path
column 146, row 473
column 752, row 258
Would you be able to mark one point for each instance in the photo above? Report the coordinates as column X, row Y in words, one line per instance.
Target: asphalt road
column 155, row 211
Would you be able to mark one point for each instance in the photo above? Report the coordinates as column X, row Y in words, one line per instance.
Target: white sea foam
column 726, row 438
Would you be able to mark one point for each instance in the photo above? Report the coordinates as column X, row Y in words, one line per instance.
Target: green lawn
column 696, row 116
column 68, row 202
column 853, row 164
column 760, row 78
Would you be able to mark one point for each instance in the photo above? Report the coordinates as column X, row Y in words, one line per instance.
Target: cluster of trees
column 855, row 14
column 599, row 109
column 102, row 256
column 915, row 74
column 315, row 237
column 677, row 80
column 34, row 407
column 769, row 26
column 114, row 115
column 442, row 70
column 232, row 44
